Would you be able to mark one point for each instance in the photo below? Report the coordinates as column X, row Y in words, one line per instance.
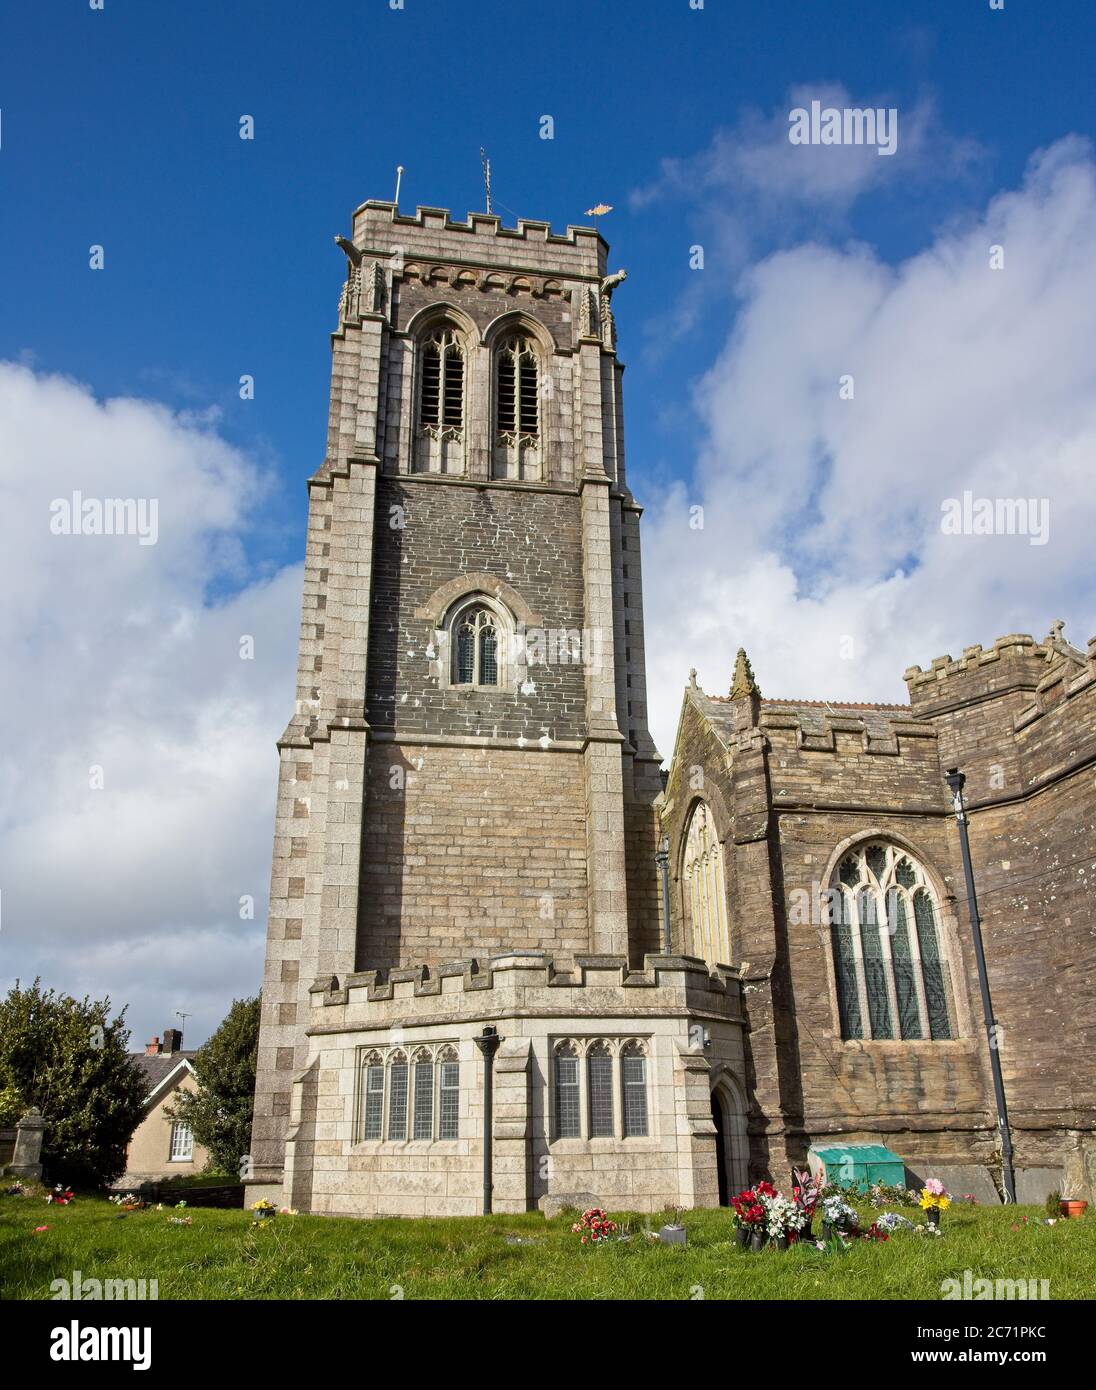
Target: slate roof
column 157, row 1067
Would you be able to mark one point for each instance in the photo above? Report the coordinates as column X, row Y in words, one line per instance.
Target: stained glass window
column 905, row 986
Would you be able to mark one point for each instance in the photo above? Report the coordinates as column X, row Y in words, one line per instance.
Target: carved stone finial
column 692, row 677
column 743, row 685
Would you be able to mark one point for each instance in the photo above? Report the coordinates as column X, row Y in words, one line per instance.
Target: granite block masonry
column 470, row 802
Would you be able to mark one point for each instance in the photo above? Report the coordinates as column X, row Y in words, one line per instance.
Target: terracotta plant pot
column 1072, row 1207
column 742, row 1236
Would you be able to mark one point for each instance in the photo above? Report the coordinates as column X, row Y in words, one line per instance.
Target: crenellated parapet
column 527, row 983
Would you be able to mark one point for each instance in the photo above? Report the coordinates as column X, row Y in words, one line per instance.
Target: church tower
column 464, row 827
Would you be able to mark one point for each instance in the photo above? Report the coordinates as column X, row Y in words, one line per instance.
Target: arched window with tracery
column 477, row 646
column 518, row 445
column 440, row 433
column 705, row 892
column 891, row 973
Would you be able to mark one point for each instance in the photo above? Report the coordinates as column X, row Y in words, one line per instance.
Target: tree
column 219, row 1111
column 69, row 1058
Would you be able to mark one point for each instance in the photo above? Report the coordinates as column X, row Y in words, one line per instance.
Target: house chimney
column 152, row 1048
column 173, row 1040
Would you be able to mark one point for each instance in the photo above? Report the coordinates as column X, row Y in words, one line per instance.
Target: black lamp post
column 488, row 1043
column 955, row 780
column 662, row 860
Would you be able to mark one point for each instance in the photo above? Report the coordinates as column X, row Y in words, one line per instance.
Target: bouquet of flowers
column 782, row 1217
column 748, row 1210
column 128, row 1201
column 891, row 1221
column 595, row 1227
column 61, row 1196
column 935, row 1196
column 837, row 1213
column 806, row 1194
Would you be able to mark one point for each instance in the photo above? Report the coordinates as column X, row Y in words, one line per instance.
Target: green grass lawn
column 303, row 1257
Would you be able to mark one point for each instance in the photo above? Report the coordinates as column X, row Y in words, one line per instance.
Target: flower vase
column 742, row 1236
column 781, row 1242
column 932, row 1216
column 757, row 1242
column 827, row 1230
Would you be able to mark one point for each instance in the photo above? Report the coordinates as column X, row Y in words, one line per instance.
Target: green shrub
column 69, row 1058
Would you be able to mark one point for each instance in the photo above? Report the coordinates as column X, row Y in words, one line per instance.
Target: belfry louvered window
column 517, row 403
column 891, row 975
column 441, row 384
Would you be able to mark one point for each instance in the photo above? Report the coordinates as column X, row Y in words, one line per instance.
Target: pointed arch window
column 440, row 441
column 476, row 644
column 892, row 979
column 705, row 890
column 518, row 425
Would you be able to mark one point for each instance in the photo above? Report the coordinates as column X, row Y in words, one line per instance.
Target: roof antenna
column 399, row 175
column 486, row 177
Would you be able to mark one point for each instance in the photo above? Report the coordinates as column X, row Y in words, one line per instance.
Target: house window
column 448, row 1094
column 891, row 974
column 182, row 1143
column 633, row 1079
column 517, row 445
column 568, row 1110
column 599, row 1080
column 705, row 890
column 397, row 1097
column 476, row 646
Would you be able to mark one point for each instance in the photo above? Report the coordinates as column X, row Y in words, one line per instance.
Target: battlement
column 529, row 982
column 1015, row 644
column 816, row 724
column 481, row 240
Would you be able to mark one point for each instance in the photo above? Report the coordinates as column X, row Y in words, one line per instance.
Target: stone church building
column 466, row 926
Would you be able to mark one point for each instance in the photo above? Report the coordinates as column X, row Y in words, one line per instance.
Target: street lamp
column 955, row 780
column 662, row 860
column 488, row 1043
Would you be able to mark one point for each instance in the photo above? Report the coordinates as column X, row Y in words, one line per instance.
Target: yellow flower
column 943, row 1203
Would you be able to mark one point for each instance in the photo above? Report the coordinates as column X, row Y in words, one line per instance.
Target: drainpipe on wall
column 488, row 1043
column 955, row 780
column 662, row 859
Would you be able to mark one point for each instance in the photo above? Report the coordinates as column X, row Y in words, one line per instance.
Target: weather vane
column 486, row 176
column 598, row 210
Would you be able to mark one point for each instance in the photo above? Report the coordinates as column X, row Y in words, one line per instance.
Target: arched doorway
column 720, row 1149
column 732, row 1138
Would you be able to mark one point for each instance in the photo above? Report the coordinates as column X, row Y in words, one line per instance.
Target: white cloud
column 118, row 656
column 823, row 515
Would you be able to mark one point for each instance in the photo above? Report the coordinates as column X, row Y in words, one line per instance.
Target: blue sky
column 219, row 257
column 822, row 551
